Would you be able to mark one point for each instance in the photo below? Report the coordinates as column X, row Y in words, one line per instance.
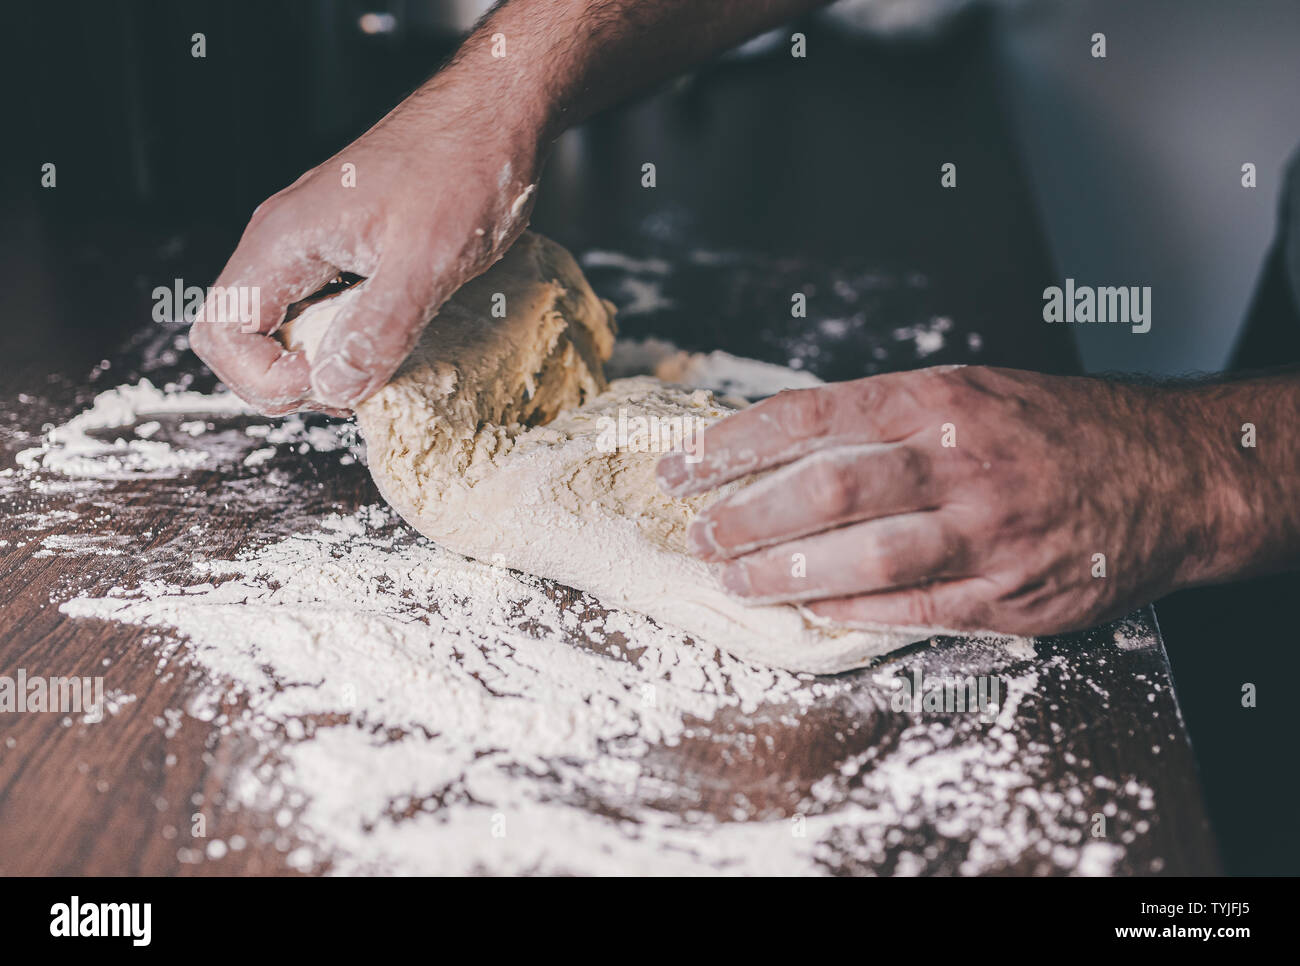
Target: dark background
column 813, row 170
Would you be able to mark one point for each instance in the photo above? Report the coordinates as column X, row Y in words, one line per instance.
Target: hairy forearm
column 1243, row 474
column 542, row 66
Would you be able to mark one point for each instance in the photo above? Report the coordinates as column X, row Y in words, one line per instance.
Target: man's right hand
column 443, row 185
column 436, row 192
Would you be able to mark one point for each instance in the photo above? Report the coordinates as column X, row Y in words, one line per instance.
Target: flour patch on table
column 85, row 446
column 422, row 713
column 118, row 437
column 460, row 684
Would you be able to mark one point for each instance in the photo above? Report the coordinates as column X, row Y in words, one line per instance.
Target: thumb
column 373, row 335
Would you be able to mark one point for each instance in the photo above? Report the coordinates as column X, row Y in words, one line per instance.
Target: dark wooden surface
column 774, row 176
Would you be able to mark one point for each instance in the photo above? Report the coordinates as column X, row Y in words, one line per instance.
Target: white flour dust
column 431, row 714
column 462, row 686
column 80, row 447
column 115, row 438
column 417, row 712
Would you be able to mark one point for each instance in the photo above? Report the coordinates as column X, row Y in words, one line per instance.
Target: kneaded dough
column 487, row 441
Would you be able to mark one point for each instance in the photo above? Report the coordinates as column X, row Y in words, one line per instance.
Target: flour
column 729, row 376
column 839, row 319
column 416, row 712
column 335, row 614
column 103, row 545
column 926, row 338
column 77, row 448
column 412, row 706
column 429, row 714
column 114, row 438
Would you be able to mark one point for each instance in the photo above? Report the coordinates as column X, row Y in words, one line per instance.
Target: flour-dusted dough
column 486, row 441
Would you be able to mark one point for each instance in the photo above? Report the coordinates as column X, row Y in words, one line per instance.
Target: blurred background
column 819, row 173
column 1132, row 162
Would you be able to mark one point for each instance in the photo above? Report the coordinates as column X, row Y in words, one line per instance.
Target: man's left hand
column 960, row 498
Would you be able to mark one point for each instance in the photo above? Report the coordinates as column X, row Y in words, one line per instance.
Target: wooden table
column 774, row 176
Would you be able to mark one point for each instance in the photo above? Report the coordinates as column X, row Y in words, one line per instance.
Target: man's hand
column 443, row 185
column 971, row 498
column 433, row 195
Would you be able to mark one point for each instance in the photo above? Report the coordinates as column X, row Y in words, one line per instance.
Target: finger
column 896, row 551
column 789, row 425
column 827, row 489
column 374, row 333
column 949, row 605
column 247, row 303
column 304, row 406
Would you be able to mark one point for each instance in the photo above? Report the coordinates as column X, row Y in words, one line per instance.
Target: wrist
column 493, row 139
column 1214, row 506
column 497, row 89
column 1236, row 511
column 1181, row 514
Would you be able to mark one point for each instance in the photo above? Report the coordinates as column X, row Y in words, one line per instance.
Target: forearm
column 542, row 66
column 1243, row 488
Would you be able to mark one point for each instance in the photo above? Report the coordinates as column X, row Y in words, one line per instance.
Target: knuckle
column 890, row 569
column 411, row 285
column 949, row 389
column 1014, row 587
column 806, row 412
column 263, row 214
column 953, row 552
column 871, row 565
column 865, row 396
column 914, row 466
column 276, row 215
column 901, row 555
column 357, row 347
column 972, row 615
column 832, row 487
column 921, row 609
column 203, row 340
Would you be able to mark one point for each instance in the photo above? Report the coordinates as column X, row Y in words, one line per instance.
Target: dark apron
column 1220, row 638
column 1271, row 335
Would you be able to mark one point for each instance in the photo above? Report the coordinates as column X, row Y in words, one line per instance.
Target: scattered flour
column 725, row 374
column 462, row 685
column 72, row 450
column 430, row 714
column 113, row 441
column 422, row 713
column 927, row 338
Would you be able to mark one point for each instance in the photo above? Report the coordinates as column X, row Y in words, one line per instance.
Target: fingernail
column 735, row 580
column 337, row 382
column 671, row 472
column 700, row 538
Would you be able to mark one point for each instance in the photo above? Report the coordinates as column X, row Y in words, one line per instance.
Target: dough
column 493, row 441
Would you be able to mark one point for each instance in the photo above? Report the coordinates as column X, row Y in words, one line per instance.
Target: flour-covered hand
column 959, row 497
column 424, row 201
